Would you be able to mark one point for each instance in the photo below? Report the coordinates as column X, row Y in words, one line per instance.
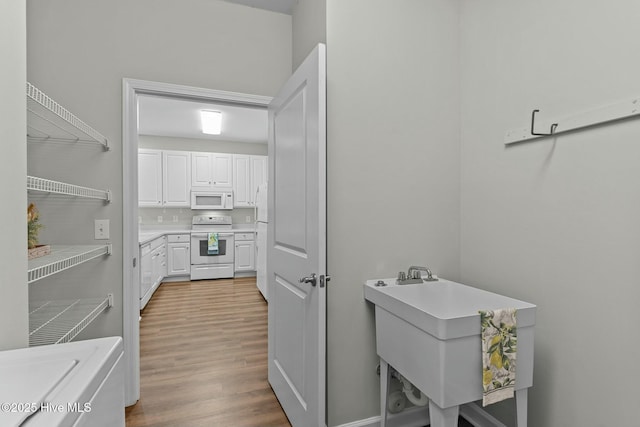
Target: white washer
column 73, row 384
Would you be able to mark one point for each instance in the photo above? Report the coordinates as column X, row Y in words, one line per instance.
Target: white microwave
column 211, row 200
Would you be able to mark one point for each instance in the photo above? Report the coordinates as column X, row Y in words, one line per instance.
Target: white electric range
column 207, row 261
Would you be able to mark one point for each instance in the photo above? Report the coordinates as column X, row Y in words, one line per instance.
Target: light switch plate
column 102, row 229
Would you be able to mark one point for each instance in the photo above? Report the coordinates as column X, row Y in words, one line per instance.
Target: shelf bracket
column 533, row 122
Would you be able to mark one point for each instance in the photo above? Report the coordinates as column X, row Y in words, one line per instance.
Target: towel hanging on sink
column 212, row 243
column 499, row 340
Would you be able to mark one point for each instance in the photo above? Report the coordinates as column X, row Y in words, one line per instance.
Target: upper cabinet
column 249, row 171
column 176, row 186
column 150, row 178
column 241, row 180
column 164, row 178
column 211, row 171
column 259, row 173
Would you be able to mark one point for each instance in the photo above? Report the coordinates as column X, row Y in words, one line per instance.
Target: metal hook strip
column 533, row 120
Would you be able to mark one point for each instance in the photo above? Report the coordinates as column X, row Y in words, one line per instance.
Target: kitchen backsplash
column 183, row 216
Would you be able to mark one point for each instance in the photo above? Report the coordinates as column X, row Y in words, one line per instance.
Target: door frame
column 131, row 88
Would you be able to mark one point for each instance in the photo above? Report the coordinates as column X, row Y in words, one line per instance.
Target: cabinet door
column 201, row 170
column 242, row 193
column 245, row 256
column 146, row 270
column 176, row 178
column 179, row 259
column 259, row 174
column 222, row 169
column 149, row 178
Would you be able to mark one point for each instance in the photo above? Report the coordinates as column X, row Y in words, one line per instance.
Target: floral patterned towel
column 498, row 354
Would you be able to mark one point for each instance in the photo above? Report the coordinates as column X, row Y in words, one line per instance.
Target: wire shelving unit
column 60, row 321
column 48, row 186
column 56, row 322
column 63, row 257
column 49, row 121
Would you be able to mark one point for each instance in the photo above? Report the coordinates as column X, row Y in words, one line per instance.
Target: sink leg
column 521, row 407
column 384, row 391
column 443, row 417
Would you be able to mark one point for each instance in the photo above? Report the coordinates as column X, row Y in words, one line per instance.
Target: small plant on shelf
column 33, row 227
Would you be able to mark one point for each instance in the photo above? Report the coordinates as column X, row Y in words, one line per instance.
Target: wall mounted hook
column 533, row 121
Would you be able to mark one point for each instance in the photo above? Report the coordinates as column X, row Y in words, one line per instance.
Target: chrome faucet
column 414, row 270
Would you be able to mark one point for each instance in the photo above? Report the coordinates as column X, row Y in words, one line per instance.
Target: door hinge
column 135, row 261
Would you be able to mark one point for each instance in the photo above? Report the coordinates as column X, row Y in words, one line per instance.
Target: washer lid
column 27, row 385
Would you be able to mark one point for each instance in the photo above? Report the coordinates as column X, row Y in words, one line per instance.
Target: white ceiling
column 163, row 116
column 282, row 6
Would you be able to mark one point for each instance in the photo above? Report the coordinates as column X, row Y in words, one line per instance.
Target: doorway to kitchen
column 133, row 90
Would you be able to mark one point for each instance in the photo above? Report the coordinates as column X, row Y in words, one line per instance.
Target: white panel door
column 149, row 178
column 176, row 178
column 296, row 257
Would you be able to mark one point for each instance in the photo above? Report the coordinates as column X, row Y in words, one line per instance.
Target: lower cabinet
column 179, row 254
column 245, row 252
column 153, row 268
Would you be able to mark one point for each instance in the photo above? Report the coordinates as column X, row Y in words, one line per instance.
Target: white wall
column 80, row 50
column 309, row 28
column 555, row 222
column 393, row 171
column 14, row 322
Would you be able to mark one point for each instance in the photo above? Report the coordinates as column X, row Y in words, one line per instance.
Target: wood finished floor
column 203, row 358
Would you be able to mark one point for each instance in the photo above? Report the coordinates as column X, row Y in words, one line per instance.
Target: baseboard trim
column 418, row 417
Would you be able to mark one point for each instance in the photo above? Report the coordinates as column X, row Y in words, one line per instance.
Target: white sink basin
column 443, row 308
column 430, row 333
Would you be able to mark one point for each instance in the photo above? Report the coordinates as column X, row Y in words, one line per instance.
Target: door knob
column 309, row 279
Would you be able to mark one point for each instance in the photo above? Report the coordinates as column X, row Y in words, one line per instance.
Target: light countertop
column 147, row 234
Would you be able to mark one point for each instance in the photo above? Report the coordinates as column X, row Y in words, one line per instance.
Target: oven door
column 200, row 249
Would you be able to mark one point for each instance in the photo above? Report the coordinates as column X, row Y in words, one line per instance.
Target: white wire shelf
column 48, row 120
column 49, row 186
column 55, row 322
column 63, row 257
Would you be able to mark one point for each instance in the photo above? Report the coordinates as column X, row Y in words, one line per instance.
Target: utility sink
column 430, row 333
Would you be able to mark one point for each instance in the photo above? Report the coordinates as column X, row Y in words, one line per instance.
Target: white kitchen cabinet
column 149, row 178
column 176, row 179
column 153, row 268
column 242, row 189
column 245, row 252
column 211, row 171
column 249, row 171
column 164, row 178
column 179, row 255
column 259, row 173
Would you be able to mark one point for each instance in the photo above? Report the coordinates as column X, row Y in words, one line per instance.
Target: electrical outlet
column 101, row 229
column 175, row 218
column 248, row 219
column 160, row 218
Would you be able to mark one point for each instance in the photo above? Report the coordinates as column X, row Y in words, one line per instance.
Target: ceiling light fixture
column 211, row 122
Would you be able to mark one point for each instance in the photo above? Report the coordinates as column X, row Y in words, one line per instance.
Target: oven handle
column 204, row 235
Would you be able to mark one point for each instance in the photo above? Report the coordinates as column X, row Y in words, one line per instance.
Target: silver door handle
column 309, row 279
